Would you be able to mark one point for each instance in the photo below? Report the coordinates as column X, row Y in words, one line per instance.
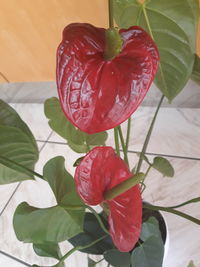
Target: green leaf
column 61, row 183
column 47, row 249
column 9, row 117
column 163, row 166
column 91, row 232
column 53, row 224
column 91, row 263
column 148, row 254
column 16, row 146
column 77, row 140
column 196, row 70
column 77, row 162
column 173, row 25
column 191, row 264
column 150, row 228
column 117, row 258
column 96, row 139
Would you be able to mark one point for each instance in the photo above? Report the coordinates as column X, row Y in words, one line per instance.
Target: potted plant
column 102, row 77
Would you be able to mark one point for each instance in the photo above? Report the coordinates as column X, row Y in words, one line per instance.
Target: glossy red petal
column 100, row 170
column 96, row 94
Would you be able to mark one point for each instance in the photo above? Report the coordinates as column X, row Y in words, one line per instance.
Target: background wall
column 30, row 32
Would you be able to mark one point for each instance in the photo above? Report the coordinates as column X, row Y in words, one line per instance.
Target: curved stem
column 197, row 199
column 146, row 142
column 98, row 219
column 170, row 210
column 110, row 11
column 116, row 141
column 81, row 247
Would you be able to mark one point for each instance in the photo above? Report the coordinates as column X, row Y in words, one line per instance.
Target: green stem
column 19, row 167
column 116, row 141
column 197, row 199
column 146, row 142
column 98, row 219
column 110, row 11
column 124, row 186
column 69, row 253
column 147, row 172
column 170, row 210
column 128, row 134
column 147, row 20
column 123, row 144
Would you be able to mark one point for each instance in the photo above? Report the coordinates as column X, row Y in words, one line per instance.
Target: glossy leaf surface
column 99, row 171
column 77, row 140
column 173, row 25
column 61, row 224
column 16, row 144
column 98, row 94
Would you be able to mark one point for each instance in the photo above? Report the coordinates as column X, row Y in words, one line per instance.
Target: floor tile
column 8, row 262
column 33, row 115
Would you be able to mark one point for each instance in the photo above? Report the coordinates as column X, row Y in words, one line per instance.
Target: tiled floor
column 176, row 134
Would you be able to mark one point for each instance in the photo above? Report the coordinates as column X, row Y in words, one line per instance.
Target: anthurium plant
column 102, row 77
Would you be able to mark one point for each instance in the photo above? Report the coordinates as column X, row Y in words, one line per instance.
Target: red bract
column 98, row 94
column 100, row 170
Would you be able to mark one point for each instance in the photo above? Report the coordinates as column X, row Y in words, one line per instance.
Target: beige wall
column 30, row 31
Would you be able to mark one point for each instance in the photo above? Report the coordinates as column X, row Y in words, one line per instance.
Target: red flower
column 98, row 94
column 100, row 170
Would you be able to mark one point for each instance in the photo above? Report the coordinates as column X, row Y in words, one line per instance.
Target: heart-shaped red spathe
column 98, row 94
column 101, row 170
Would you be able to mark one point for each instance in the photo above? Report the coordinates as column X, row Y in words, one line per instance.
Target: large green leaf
column 9, row 117
column 33, row 225
column 148, row 254
column 79, row 141
column 91, row 232
column 16, row 144
column 117, row 258
column 47, row 249
column 61, row 182
column 196, row 70
column 173, row 25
